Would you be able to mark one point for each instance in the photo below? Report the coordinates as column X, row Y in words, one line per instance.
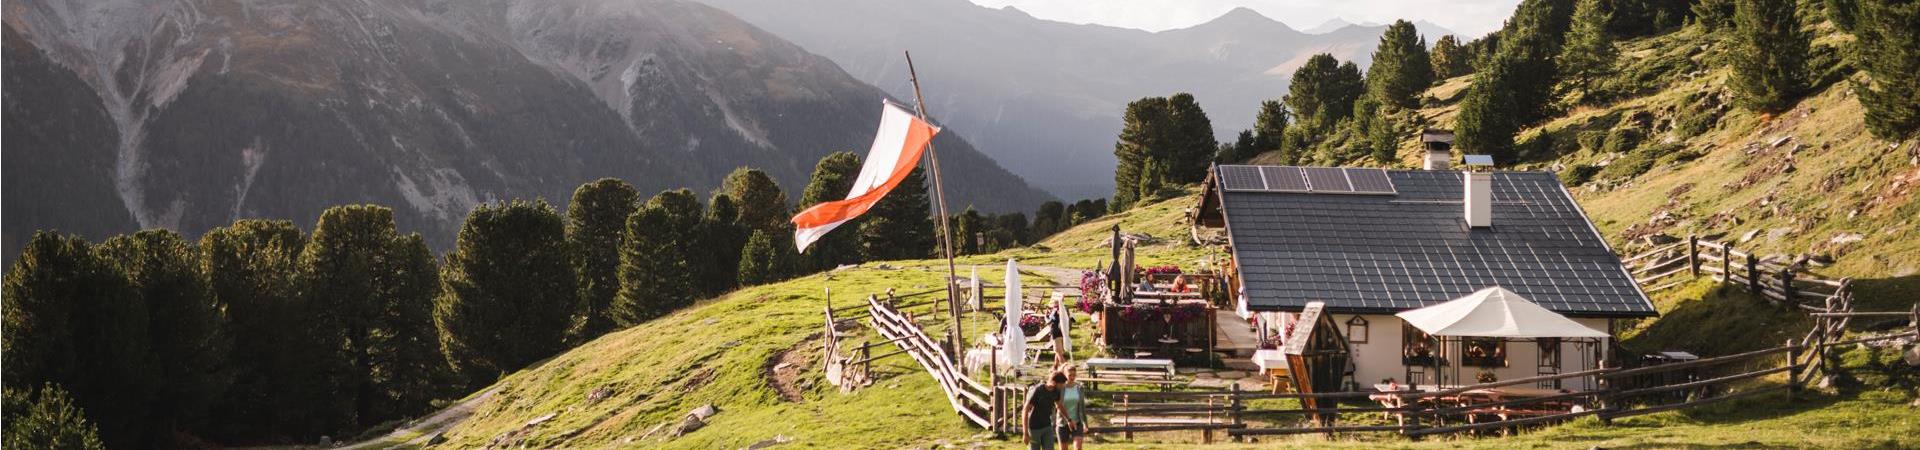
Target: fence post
column 1726, row 263
column 1793, row 369
column 1753, row 275
column 1126, row 417
column 1602, row 401
column 1786, row 287
column 1693, row 254
column 1233, row 408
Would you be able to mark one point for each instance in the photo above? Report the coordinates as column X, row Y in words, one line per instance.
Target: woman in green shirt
column 1073, row 404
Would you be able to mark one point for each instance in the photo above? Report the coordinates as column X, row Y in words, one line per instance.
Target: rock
column 437, row 439
column 1913, row 356
column 1780, row 140
column 1749, row 236
column 542, row 419
column 1846, row 238
column 695, row 419
column 599, row 393
column 769, row 442
column 326, row 441
column 1232, row 374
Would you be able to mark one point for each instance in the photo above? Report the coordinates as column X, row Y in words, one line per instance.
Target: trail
column 417, row 434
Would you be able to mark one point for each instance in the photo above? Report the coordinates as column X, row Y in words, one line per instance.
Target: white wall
column 1379, row 357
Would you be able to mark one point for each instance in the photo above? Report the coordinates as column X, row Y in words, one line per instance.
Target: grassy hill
column 1671, row 158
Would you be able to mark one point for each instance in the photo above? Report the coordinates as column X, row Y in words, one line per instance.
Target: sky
column 1469, row 17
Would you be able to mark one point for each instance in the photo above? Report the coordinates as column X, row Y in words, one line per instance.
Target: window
column 1416, row 347
column 1357, row 330
column 1484, row 352
column 1549, row 352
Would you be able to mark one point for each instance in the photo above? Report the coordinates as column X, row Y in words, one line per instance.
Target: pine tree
column 764, row 259
column 1049, row 219
column 1244, row 146
column 1713, row 14
column 1769, row 55
column 1845, row 14
column 1589, row 54
column 1269, row 129
column 508, row 290
column 1888, row 49
column 73, row 319
column 46, row 418
column 832, row 179
column 252, row 269
column 1450, row 58
column 1144, row 137
column 724, row 239
column 656, row 272
column 1486, row 122
column 900, row 225
column 596, row 222
column 763, row 206
column 1401, row 70
column 410, row 370
column 1193, row 142
column 1514, row 86
column 1307, row 92
column 1384, row 134
column 186, row 328
column 363, row 307
column 967, row 226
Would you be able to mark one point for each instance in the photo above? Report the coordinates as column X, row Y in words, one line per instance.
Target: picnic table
column 1390, row 396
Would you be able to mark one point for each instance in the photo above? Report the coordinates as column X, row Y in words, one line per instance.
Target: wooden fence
column 1781, row 282
column 973, row 400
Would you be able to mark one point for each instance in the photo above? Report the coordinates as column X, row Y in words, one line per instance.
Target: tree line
column 263, row 333
column 1551, row 55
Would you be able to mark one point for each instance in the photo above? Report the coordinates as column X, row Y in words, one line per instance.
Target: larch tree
column 596, row 224
column 1769, row 55
column 72, row 318
column 1402, row 69
column 1888, row 49
column 831, row 181
column 507, row 290
column 187, row 328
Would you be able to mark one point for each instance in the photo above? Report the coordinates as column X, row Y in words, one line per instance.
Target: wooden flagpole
column 940, row 196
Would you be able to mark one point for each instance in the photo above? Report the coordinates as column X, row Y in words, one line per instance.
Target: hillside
column 189, row 114
column 1046, row 98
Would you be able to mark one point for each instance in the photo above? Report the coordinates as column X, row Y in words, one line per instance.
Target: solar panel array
column 1315, row 180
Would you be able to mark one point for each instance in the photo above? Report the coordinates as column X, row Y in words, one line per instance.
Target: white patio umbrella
column 1064, row 318
column 1498, row 313
column 1016, row 339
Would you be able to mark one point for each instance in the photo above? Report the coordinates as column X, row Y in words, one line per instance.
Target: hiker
column 1073, row 407
column 1056, row 331
column 1043, row 402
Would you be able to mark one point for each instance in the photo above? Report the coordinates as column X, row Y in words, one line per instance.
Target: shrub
column 1623, row 140
column 1578, row 174
column 1627, row 166
column 1592, row 140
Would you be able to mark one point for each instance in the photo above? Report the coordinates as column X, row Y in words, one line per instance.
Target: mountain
column 188, row 114
column 1043, row 97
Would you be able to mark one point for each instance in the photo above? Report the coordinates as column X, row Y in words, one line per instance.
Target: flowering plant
column 1166, row 269
column 1093, row 286
column 1180, row 313
column 1031, row 323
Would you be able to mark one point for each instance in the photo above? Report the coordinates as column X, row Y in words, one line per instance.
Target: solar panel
column 1370, row 181
column 1241, row 178
column 1284, row 179
column 1327, row 179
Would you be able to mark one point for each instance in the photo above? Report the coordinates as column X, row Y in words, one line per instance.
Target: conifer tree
column 1769, row 55
column 1401, row 70
column 1713, row 14
column 656, row 275
column 1308, row 91
column 724, row 239
column 186, row 327
column 1269, row 127
column 73, row 319
column 252, row 268
column 764, row 259
column 1889, row 50
column 1049, row 219
column 1193, row 142
column 1143, row 138
column 596, row 224
column 1845, row 14
column 364, row 305
column 508, row 290
column 46, row 418
column 1450, row 58
column 763, row 206
column 832, row 179
column 1589, row 54
column 900, row 225
column 1487, row 123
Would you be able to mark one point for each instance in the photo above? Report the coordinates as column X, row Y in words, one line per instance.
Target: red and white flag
column 896, row 150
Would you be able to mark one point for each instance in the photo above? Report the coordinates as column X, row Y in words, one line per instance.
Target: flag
column 896, row 150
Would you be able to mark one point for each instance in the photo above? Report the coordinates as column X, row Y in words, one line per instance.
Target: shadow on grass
column 1710, row 319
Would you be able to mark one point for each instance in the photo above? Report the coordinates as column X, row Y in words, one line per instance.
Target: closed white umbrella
column 1016, row 339
column 1065, row 320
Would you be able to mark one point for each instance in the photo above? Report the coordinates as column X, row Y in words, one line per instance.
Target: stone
column 1232, row 374
column 437, row 439
column 695, row 420
column 1913, row 356
column 769, row 442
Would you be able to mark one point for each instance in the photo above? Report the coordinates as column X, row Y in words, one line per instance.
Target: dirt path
column 417, row 434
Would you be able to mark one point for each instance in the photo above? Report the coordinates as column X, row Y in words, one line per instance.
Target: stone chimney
column 1439, row 145
column 1479, row 199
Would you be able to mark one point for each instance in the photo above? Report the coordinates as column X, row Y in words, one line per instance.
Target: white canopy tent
column 1496, row 313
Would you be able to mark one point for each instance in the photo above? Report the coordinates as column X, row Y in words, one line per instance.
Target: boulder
column 695, row 419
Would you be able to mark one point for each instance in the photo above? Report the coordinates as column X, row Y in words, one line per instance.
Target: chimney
column 1439, row 145
column 1479, row 199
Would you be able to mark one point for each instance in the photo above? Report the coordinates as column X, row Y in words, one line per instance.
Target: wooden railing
column 1783, row 283
column 973, row 400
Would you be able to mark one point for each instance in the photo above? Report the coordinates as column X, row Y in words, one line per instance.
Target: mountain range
column 1045, row 98
column 188, row 114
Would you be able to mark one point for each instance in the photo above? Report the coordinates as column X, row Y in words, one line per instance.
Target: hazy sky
column 1470, row 17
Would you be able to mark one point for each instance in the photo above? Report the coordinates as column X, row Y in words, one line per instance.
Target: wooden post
column 1726, row 263
column 1786, row 287
column 1126, row 417
column 1793, row 373
column 1693, row 254
column 1602, row 401
column 1753, row 275
column 1915, row 324
column 1233, row 407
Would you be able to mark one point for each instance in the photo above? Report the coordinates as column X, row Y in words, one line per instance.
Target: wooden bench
column 1139, row 371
